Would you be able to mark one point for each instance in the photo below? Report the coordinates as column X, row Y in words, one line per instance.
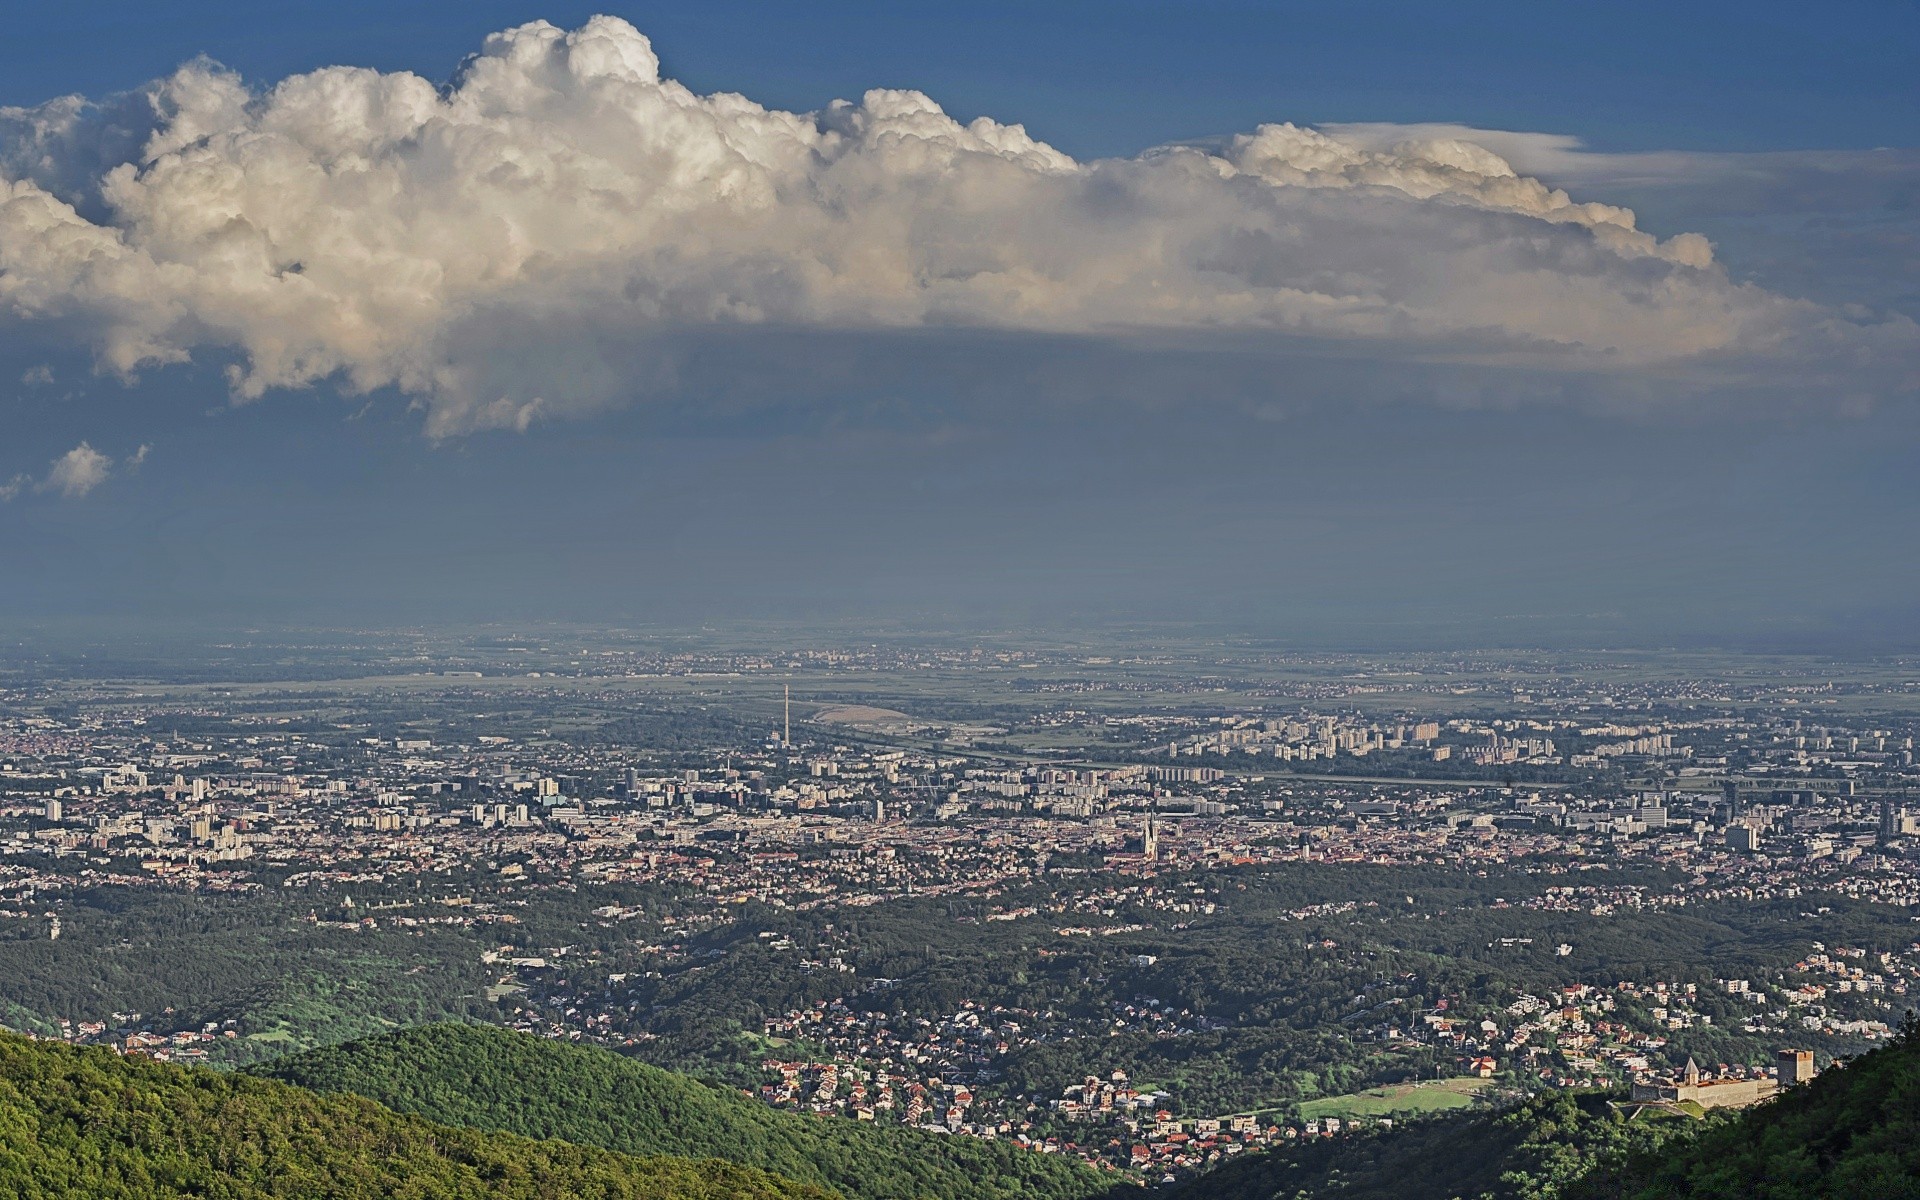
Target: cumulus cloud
column 72, row 475
column 1740, row 178
column 77, row 472
column 542, row 235
column 1835, row 226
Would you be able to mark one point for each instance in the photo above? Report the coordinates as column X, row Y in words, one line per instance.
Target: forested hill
column 1853, row 1133
column 88, row 1123
column 1536, row 1150
column 494, row 1078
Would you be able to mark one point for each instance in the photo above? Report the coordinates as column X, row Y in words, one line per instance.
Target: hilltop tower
column 1794, row 1067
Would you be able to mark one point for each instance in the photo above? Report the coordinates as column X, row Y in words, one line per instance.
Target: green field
column 1429, row 1096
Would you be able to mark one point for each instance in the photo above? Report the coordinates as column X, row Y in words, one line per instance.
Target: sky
column 1372, row 325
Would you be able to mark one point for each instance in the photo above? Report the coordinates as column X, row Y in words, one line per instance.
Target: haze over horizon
column 1223, row 316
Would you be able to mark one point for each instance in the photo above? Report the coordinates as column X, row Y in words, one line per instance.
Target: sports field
column 1428, row 1096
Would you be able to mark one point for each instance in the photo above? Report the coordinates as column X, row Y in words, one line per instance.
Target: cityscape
column 586, row 841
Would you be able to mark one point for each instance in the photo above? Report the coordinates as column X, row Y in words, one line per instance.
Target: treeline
column 1269, row 1012
column 285, row 982
column 1533, row 1151
column 671, row 728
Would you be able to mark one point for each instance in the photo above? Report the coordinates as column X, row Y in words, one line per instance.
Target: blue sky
column 1112, row 78
column 1408, row 396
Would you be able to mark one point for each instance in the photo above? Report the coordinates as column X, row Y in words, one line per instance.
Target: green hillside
column 1853, row 1133
column 1532, row 1151
column 1850, row 1134
column 493, row 1078
column 88, row 1123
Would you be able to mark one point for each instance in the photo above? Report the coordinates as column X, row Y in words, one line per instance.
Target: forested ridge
column 1849, row 1134
column 89, row 1122
column 1536, row 1150
column 1853, row 1133
column 497, row 1079
column 86, row 1122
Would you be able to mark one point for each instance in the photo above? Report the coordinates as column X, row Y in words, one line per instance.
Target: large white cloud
column 534, row 237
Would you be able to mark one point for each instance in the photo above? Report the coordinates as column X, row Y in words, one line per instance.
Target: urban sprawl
column 1098, row 801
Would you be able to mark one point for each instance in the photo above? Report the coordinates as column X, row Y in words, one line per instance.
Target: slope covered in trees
column 496, row 1079
column 1536, row 1150
column 1851, row 1133
column 86, row 1122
